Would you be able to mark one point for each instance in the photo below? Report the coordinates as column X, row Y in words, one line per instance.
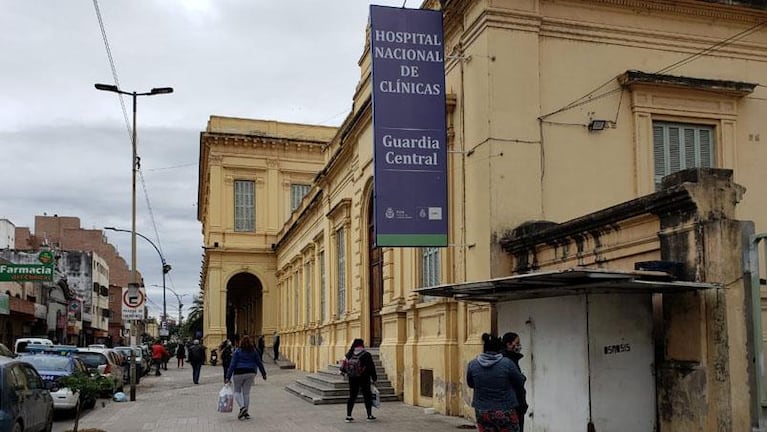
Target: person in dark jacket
column 360, row 370
column 180, row 355
column 494, row 379
column 276, row 346
column 196, row 359
column 261, row 345
column 513, row 352
column 226, row 355
column 242, row 371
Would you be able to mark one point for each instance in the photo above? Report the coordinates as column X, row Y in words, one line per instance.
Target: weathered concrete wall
column 703, row 378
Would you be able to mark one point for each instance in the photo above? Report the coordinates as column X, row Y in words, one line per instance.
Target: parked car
column 5, row 352
column 25, row 399
column 52, row 367
column 22, row 343
column 104, row 363
column 141, row 364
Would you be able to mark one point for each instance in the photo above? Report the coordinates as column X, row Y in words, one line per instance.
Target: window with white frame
column 341, row 271
column 678, row 146
column 244, row 205
column 431, row 272
column 308, row 286
column 430, row 267
column 297, row 193
column 323, row 295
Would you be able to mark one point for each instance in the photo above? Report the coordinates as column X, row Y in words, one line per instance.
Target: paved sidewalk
column 172, row 403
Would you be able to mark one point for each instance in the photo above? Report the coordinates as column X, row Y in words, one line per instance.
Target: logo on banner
column 409, row 127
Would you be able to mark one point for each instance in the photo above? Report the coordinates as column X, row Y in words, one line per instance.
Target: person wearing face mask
column 359, row 368
column 513, row 351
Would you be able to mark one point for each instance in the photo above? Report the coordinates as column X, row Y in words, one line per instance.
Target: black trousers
column 355, row 385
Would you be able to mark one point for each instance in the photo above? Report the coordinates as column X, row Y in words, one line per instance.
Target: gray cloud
column 65, row 146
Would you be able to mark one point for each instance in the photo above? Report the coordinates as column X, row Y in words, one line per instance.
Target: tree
column 86, row 387
column 194, row 322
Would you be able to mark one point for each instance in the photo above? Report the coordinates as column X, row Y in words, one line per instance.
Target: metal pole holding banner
column 756, row 322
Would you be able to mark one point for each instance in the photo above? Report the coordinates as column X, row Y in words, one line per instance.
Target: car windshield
column 49, row 363
column 92, row 359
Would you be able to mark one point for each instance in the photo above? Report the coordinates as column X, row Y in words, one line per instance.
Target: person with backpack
column 359, row 368
column 196, row 359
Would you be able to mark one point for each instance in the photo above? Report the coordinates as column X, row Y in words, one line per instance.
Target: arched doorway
column 244, row 306
column 375, row 281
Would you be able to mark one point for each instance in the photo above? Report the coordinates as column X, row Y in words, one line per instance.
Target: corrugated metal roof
column 572, row 281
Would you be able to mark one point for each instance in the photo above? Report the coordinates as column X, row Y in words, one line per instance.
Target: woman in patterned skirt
column 494, row 378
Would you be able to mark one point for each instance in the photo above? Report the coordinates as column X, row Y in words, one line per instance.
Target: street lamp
column 178, row 298
column 134, row 166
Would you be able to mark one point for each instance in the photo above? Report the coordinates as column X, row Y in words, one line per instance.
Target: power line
column 112, row 66
column 137, row 166
column 172, row 167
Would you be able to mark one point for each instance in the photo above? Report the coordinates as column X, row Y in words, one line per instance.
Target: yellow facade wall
column 524, row 79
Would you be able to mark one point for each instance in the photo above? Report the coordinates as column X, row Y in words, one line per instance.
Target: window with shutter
column 341, row 251
column 430, row 269
column 308, row 283
column 321, row 263
column 244, row 205
column 297, row 193
column 678, row 146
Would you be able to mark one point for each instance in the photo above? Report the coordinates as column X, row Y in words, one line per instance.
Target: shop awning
column 562, row 283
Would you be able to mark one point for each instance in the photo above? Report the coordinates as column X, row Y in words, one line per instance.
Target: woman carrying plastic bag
column 376, row 396
column 225, row 399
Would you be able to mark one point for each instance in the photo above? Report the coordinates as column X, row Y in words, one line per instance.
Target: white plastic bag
column 225, row 399
column 376, row 396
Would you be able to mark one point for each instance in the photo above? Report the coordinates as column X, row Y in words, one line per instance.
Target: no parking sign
column 133, row 300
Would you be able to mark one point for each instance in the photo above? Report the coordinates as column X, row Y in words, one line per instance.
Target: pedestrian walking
column 494, row 379
column 276, row 346
column 180, row 355
column 513, row 352
column 261, row 345
column 226, row 355
column 158, row 353
column 360, row 370
column 196, row 359
column 165, row 356
column 242, row 371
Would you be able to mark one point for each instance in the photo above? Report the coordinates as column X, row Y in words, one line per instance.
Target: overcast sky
column 65, row 147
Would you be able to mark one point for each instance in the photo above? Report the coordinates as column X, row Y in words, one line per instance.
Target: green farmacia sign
column 26, row 273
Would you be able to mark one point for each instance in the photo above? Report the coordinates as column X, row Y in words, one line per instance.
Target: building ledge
column 732, row 88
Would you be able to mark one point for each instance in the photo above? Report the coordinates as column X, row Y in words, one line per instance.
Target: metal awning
column 572, row 281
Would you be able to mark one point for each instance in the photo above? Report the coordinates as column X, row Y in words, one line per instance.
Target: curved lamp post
column 178, row 298
column 165, row 266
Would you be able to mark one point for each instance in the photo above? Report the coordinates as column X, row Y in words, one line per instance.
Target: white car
column 106, row 362
column 52, row 367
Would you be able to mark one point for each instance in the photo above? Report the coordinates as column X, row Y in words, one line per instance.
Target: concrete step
column 339, row 386
column 316, row 398
column 339, row 381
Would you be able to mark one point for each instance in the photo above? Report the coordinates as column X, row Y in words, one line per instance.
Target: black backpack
column 353, row 366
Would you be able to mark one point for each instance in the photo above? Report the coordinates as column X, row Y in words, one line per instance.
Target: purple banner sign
column 409, row 130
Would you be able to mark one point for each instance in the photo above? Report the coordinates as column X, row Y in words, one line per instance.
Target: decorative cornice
column 688, row 8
